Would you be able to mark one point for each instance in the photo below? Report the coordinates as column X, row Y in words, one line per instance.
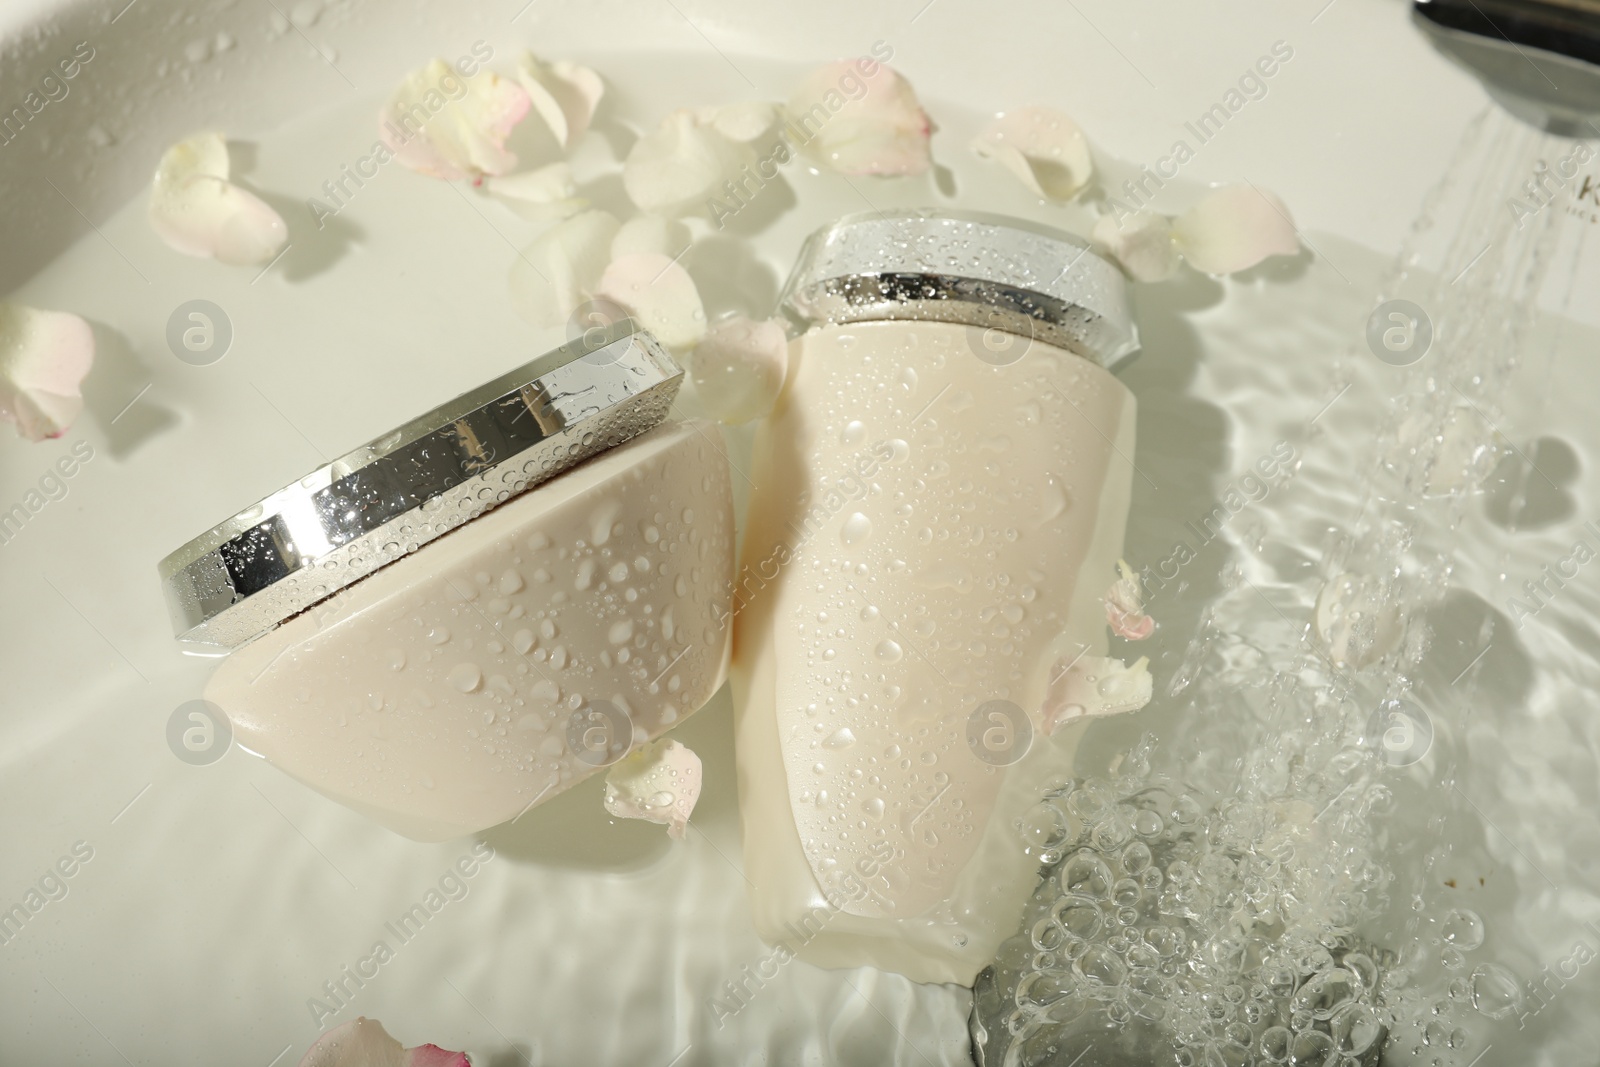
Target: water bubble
column 1275, row 1042
column 1462, row 929
column 1086, row 874
column 1355, row 1029
column 1078, row 915
column 1047, row 935
column 1046, row 827
column 1310, row 1048
column 1325, row 993
column 1496, row 991
column 1101, row 965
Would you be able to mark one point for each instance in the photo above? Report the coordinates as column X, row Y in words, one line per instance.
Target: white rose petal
column 539, row 195
column 1233, row 228
column 1095, row 686
column 44, row 357
column 658, row 782
column 564, row 94
column 858, row 116
column 682, row 165
column 651, row 233
column 562, row 268
column 1142, row 242
column 660, row 296
column 745, row 121
column 441, row 124
column 1044, row 148
column 739, row 368
column 196, row 210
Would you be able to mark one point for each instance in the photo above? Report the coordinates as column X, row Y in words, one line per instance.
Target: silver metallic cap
column 982, row 270
column 366, row 509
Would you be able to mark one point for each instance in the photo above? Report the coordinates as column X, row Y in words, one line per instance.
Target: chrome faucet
column 1539, row 59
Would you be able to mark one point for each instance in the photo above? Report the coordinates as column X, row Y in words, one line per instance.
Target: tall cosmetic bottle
column 939, row 503
column 478, row 610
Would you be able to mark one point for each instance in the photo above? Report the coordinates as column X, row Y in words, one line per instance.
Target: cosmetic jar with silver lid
column 964, row 461
column 462, row 618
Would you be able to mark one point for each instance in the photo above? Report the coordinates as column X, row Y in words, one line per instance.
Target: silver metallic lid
column 366, row 509
column 988, row 271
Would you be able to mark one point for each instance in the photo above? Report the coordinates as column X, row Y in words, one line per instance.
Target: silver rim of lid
column 987, row 271
column 389, row 497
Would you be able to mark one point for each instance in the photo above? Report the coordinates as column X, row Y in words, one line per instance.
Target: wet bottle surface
column 939, row 504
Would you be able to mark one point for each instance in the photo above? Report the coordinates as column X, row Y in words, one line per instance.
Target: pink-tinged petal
column 660, row 296
column 434, row 1056
column 739, row 368
column 197, row 211
column 682, row 165
column 658, row 782
column 539, row 195
column 562, row 268
column 441, row 124
column 1142, row 242
column 1233, row 228
column 1093, row 687
column 1042, row 147
column 361, row 1042
column 44, row 357
column 1125, row 606
column 1132, row 627
column 858, row 116
column 564, row 94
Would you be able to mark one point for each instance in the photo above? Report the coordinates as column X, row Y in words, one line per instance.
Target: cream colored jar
column 939, row 503
column 492, row 636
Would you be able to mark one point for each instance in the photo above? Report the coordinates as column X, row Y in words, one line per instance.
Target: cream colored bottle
column 939, row 503
column 486, row 645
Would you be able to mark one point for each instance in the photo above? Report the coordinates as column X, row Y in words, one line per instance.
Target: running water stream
column 1265, row 884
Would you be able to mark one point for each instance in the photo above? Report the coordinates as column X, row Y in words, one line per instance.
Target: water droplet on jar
column 465, row 677
column 840, row 738
column 855, row 529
